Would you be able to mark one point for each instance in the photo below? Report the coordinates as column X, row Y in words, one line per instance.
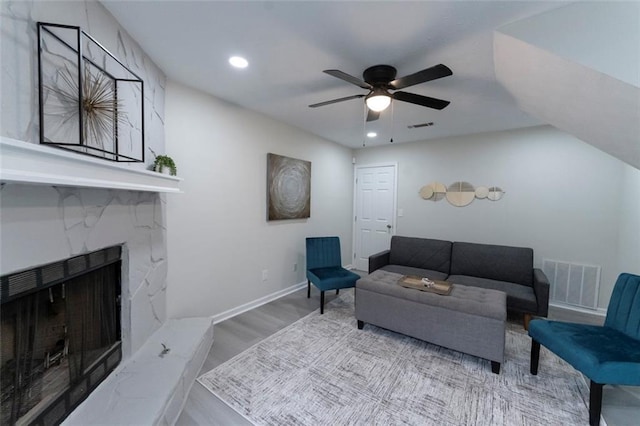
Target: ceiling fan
column 380, row 79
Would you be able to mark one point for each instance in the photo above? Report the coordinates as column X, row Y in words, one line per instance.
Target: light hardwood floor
column 621, row 404
column 236, row 335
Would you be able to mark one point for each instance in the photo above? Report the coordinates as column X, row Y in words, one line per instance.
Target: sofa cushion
column 519, row 298
column 501, row 263
column 423, row 253
column 408, row 270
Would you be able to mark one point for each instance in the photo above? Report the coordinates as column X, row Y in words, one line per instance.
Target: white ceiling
column 288, row 44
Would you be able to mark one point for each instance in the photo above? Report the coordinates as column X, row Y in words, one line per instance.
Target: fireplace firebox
column 60, row 334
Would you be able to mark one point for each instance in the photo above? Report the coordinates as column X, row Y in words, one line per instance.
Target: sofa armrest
column 378, row 260
column 541, row 288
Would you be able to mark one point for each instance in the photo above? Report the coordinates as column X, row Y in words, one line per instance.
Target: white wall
column 563, row 197
column 219, row 240
column 629, row 229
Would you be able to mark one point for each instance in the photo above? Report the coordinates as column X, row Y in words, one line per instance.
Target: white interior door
column 374, row 212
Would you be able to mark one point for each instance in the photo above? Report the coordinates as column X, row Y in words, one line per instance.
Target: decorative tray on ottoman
column 417, row 283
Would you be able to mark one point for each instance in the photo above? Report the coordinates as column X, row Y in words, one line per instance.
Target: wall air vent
column 416, row 126
column 573, row 283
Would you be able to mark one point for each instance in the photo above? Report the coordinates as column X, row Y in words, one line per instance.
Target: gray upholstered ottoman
column 470, row 319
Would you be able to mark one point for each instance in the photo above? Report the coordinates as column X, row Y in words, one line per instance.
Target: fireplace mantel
column 30, row 163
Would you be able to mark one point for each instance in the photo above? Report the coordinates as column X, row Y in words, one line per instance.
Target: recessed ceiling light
column 372, row 134
column 238, row 62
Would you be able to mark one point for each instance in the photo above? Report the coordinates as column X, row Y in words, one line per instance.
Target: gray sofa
column 504, row 268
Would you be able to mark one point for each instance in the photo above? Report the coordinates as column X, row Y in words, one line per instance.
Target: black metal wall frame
column 118, row 157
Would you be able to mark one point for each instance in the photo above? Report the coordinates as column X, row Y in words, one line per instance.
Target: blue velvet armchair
column 324, row 267
column 608, row 354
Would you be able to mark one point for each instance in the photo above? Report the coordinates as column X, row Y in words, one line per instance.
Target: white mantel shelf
column 30, row 163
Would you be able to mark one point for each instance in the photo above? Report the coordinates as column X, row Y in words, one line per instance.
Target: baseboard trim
column 599, row 311
column 258, row 302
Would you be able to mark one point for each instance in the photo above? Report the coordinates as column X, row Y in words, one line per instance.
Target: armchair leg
column 527, row 318
column 337, row 291
column 321, row 302
column 595, row 403
column 535, row 357
column 308, row 289
column 495, row 367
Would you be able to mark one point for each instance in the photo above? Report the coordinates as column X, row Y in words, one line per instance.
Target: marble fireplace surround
column 73, row 204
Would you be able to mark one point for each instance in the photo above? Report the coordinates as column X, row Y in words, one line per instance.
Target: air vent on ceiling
column 415, row 126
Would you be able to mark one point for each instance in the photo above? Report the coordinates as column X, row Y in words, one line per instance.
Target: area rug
column 322, row 370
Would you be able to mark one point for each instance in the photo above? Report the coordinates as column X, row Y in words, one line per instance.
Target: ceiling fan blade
column 420, row 100
column 333, row 101
column 428, row 74
column 348, row 78
column 372, row 115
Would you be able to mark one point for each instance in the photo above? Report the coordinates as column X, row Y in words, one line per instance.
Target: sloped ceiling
column 578, row 68
column 515, row 63
column 290, row 43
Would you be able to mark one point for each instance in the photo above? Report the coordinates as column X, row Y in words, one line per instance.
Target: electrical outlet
column 295, row 267
column 265, row 274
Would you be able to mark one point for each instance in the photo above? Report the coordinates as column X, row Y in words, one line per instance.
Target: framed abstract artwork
column 288, row 188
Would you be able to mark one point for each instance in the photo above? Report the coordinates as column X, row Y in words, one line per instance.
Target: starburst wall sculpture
column 101, row 110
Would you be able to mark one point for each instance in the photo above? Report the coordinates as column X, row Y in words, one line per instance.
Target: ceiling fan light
column 238, row 62
column 378, row 102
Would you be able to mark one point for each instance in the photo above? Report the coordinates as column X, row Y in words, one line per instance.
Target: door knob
column 388, row 226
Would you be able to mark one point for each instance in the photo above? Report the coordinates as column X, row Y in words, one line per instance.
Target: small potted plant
column 164, row 164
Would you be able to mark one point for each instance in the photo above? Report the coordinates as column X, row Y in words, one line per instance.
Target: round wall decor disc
column 495, row 193
column 460, row 194
column 426, row 192
column 482, row 192
column 439, row 190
